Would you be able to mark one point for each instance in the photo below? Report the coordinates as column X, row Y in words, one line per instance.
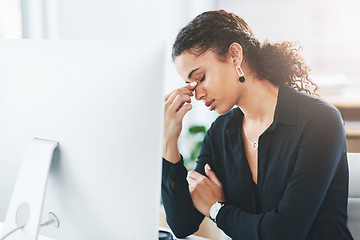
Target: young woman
column 273, row 167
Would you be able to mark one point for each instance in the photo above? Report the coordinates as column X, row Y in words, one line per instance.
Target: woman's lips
column 211, row 104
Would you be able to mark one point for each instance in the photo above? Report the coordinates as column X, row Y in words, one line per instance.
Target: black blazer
column 302, row 185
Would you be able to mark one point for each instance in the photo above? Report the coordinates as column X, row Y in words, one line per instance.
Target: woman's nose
column 199, row 93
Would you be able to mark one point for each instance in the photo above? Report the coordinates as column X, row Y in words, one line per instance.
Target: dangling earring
column 241, row 73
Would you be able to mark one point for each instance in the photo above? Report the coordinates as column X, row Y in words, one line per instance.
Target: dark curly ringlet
column 280, row 63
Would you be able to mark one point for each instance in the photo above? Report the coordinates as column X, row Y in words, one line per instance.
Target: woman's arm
column 183, row 218
column 181, row 214
column 175, row 110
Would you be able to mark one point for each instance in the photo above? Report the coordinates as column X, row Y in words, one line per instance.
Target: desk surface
column 47, row 238
column 192, row 237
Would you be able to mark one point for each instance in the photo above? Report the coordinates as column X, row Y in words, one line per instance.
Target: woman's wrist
column 171, row 152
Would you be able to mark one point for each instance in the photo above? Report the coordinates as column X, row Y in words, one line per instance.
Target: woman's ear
column 236, row 53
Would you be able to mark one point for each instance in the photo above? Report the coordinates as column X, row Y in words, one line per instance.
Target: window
column 10, row 19
column 327, row 30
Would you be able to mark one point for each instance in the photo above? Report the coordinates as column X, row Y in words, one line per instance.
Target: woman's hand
column 177, row 104
column 205, row 191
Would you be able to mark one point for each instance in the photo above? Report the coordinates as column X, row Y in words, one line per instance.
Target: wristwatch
column 214, row 210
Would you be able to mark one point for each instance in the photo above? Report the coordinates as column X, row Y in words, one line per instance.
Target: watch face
column 214, row 210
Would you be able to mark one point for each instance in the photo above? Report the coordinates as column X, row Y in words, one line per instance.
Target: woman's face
column 218, row 85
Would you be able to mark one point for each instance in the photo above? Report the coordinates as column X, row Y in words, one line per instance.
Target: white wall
column 129, row 20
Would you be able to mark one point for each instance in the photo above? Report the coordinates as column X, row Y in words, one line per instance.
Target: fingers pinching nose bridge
column 193, row 84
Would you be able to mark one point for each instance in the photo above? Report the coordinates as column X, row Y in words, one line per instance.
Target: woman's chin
column 221, row 111
column 224, row 110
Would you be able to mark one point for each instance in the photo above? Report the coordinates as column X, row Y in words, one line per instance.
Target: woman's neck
column 258, row 101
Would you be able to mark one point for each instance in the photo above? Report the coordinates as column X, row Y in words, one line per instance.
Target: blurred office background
column 327, row 29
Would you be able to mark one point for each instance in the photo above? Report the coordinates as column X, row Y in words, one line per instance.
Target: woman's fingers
column 168, row 95
column 184, row 109
column 211, row 175
column 173, row 96
column 181, row 91
column 178, row 103
column 187, row 89
column 204, row 192
column 194, row 175
column 193, row 178
column 176, row 106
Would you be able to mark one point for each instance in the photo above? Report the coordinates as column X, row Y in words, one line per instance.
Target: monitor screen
column 102, row 101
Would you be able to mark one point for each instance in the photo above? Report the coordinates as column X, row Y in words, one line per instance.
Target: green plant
column 196, row 135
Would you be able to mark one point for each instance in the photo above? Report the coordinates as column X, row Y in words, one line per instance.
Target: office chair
column 354, row 195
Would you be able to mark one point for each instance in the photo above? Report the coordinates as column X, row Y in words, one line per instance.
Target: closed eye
column 203, row 78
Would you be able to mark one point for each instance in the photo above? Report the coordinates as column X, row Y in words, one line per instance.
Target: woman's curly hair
column 280, row 63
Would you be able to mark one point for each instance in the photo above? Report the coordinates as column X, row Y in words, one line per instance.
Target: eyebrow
column 193, row 72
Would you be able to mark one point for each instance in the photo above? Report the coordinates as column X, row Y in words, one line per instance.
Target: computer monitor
column 102, row 101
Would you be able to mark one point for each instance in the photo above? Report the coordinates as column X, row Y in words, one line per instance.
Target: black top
column 302, row 184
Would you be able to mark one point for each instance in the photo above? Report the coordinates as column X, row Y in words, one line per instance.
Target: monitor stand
column 28, row 196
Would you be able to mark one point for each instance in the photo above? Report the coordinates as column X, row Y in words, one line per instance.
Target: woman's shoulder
column 316, row 106
column 309, row 105
column 314, row 111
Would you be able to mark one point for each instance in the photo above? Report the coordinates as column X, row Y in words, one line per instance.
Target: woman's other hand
column 177, row 104
column 205, row 191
